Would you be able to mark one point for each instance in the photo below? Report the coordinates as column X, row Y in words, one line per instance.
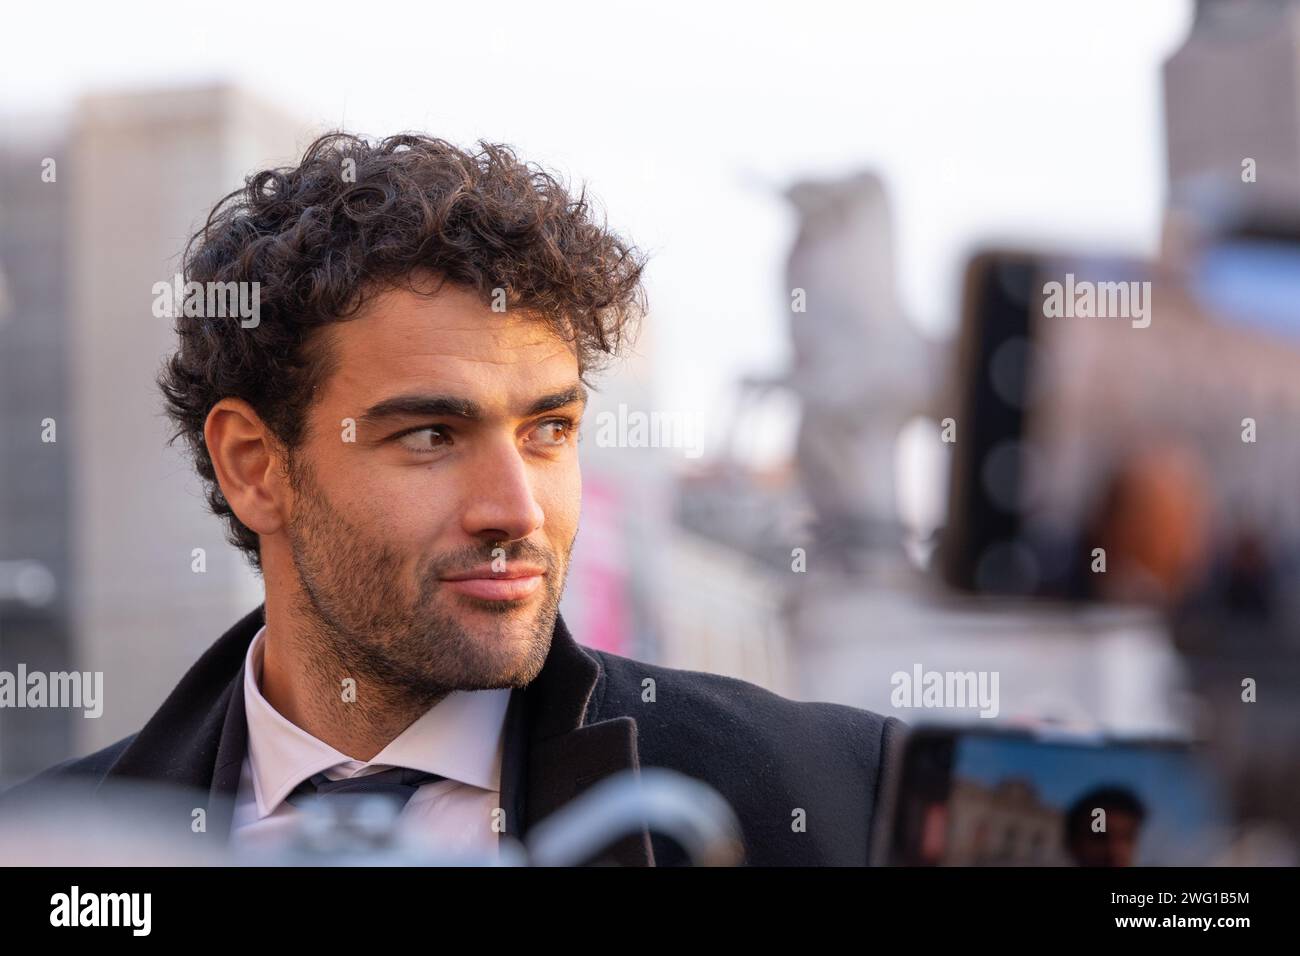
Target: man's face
column 432, row 544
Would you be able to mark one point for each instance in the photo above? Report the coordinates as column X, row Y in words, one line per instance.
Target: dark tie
column 399, row 784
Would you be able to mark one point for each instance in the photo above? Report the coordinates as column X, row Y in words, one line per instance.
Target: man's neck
column 306, row 683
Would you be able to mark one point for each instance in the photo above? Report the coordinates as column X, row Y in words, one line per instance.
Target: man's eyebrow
column 417, row 406
column 547, row 403
column 450, row 406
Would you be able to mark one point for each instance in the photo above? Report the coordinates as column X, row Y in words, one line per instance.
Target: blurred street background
column 810, row 180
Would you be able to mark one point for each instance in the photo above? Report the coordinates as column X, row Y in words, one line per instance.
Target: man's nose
column 501, row 504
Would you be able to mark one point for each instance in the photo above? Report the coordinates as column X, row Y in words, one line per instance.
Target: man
column 392, row 443
column 1108, row 838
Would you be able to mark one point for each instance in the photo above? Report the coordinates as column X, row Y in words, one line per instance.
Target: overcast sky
column 1024, row 120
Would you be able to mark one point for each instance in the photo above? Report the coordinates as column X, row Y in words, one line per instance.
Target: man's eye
column 425, row 440
column 556, row 431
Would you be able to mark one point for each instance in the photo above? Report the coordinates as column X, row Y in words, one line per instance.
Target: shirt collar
column 460, row 738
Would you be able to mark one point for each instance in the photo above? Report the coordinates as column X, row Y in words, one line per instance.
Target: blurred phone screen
column 994, row 798
column 1131, row 432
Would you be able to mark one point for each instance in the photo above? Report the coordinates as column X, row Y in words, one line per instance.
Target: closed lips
column 510, row 584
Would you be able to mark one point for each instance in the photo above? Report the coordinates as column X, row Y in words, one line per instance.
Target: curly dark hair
column 356, row 217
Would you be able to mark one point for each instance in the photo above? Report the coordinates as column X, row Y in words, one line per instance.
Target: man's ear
column 249, row 465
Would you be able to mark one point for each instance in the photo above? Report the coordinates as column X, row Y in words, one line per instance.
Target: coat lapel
column 554, row 746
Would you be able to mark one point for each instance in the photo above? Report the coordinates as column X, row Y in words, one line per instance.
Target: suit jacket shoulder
column 803, row 777
column 92, row 767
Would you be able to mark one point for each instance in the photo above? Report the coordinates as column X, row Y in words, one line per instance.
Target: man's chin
column 523, row 609
column 518, row 670
column 512, row 648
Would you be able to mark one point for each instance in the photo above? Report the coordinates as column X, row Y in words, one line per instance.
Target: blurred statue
column 860, row 369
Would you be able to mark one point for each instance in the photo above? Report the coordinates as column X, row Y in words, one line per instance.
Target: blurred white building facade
column 156, row 580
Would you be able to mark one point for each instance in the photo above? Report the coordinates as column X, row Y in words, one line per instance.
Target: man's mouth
column 511, row 584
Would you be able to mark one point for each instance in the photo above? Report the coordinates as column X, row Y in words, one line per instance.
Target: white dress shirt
column 461, row 738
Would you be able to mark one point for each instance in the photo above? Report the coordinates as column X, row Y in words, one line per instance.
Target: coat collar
column 556, row 746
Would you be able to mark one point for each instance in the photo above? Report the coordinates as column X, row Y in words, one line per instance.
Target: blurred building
column 725, row 614
column 145, row 170
column 35, row 533
column 1007, row 823
column 1231, row 95
column 93, row 217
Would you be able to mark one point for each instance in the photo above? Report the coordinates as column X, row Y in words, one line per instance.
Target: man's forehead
column 451, row 341
column 452, row 320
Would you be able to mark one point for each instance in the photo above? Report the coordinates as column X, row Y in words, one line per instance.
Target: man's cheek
column 562, row 516
column 400, row 510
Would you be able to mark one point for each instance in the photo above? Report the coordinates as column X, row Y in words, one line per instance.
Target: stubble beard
column 407, row 641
